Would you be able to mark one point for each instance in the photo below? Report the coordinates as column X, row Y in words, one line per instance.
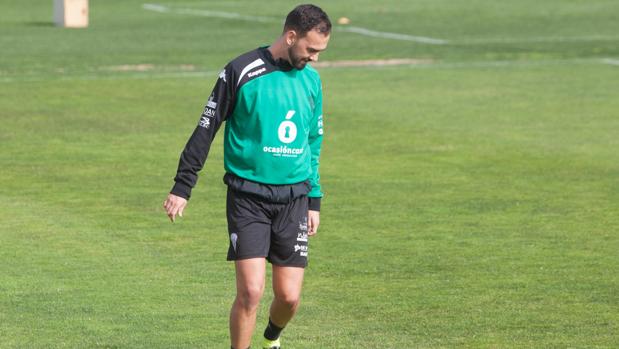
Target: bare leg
column 250, row 274
column 287, row 283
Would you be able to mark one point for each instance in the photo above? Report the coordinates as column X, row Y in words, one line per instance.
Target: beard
column 295, row 60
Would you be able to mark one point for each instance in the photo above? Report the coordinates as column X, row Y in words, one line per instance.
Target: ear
column 291, row 37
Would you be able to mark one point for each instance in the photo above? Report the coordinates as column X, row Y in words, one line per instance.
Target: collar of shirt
column 280, row 62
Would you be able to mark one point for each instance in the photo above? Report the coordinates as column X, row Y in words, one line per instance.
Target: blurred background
column 469, row 165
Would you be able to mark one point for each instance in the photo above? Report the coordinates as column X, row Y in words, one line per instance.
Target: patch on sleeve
column 209, row 112
column 205, row 122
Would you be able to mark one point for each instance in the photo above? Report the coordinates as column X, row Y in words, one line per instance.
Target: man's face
column 307, row 48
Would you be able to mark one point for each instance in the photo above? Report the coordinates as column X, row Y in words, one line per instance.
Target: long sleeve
column 218, row 107
column 315, row 141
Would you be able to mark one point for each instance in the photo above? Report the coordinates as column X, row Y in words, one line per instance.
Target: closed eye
column 313, row 50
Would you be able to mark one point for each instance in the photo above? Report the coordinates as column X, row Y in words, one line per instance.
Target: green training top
column 274, row 124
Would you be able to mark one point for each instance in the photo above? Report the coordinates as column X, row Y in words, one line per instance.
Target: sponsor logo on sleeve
column 206, row 115
column 222, row 75
column 257, row 72
column 209, row 112
column 205, row 122
column 211, row 103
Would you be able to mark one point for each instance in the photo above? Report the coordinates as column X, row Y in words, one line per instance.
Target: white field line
column 370, row 63
column 429, row 64
column 238, row 16
column 384, row 35
column 156, row 8
column 548, row 39
column 222, row 14
column 511, row 64
column 365, row 64
column 117, row 76
column 207, row 13
column 222, row 3
column 144, row 67
column 610, row 61
column 395, row 36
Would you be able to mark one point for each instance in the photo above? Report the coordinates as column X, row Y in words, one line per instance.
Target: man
column 271, row 101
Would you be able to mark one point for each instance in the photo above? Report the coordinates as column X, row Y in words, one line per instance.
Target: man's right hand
column 174, row 205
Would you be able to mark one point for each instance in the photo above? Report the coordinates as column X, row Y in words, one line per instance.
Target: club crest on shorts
column 233, row 239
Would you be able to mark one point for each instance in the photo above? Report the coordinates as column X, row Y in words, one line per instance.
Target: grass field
column 471, row 201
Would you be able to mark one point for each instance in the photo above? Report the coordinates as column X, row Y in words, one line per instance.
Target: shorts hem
column 245, row 257
column 296, row 265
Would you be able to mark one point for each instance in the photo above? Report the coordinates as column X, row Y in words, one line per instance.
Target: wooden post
column 71, row 13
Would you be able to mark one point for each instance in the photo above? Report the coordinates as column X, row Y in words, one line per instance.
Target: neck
column 279, row 49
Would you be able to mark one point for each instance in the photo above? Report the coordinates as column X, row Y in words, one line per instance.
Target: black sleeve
column 314, row 204
column 219, row 105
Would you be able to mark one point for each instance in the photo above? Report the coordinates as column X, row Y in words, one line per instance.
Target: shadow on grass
column 40, row 24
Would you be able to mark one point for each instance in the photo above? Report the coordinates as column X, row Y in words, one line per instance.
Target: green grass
column 470, row 203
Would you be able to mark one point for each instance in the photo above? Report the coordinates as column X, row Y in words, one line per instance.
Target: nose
column 314, row 57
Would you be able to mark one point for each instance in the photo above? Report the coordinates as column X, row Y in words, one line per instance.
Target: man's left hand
column 313, row 220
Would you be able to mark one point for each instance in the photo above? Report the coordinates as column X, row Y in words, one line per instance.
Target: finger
column 172, row 216
column 169, row 205
column 180, row 211
column 315, row 224
column 172, row 211
column 176, row 210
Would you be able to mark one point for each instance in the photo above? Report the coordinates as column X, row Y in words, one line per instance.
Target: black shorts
column 260, row 228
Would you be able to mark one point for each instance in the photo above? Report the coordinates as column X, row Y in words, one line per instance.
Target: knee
column 249, row 296
column 289, row 300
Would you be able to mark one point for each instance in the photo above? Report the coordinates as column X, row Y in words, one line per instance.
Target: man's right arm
column 217, row 109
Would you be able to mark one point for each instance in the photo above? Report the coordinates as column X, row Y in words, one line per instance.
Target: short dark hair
column 305, row 18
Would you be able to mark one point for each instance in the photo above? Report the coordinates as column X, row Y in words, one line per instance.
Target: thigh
column 250, row 275
column 249, row 227
column 287, row 282
column 289, row 239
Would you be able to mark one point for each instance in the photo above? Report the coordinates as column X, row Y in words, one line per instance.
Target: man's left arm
column 315, row 142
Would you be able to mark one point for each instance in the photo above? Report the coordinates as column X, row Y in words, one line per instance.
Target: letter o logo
column 287, row 131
